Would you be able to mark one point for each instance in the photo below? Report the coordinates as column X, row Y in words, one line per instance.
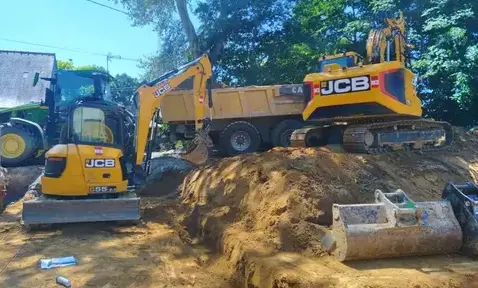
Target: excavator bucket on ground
column 464, row 201
column 46, row 210
column 394, row 226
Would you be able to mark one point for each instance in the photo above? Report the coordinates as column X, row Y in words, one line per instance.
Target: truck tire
column 16, row 145
column 281, row 133
column 240, row 138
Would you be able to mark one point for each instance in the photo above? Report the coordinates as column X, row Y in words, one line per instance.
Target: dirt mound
column 19, row 179
column 255, row 207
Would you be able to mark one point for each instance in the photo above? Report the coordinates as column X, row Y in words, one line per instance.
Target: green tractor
column 28, row 130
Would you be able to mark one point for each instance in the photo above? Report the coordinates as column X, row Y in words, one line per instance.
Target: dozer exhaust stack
column 46, row 210
column 394, row 226
column 464, row 200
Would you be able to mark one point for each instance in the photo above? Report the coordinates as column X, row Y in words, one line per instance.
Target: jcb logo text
column 100, row 163
column 346, row 85
column 163, row 88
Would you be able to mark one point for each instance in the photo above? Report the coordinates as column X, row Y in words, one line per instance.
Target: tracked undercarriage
column 378, row 137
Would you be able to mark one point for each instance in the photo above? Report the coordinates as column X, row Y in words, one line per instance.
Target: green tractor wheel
column 17, row 145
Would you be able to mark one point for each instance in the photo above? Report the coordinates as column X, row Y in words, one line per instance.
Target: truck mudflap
column 392, row 227
column 464, row 201
column 46, row 210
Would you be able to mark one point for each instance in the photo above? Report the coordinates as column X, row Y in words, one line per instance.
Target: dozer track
column 380, row 137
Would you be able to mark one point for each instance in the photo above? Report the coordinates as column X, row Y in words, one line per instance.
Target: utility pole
column 109, row 57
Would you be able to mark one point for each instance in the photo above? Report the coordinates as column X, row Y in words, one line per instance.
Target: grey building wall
column 17, row 70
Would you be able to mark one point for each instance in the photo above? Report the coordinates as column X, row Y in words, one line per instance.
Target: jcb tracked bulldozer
column 369, row 105
column 91, row 176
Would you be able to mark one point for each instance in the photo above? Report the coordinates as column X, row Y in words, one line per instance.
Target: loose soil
column 109, row 255
column 266, row 213
column 248, row 221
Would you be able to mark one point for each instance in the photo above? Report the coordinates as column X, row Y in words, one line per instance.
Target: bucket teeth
column 464, row 201
column 394, row 226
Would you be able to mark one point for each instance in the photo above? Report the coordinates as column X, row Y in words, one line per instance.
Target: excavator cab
column 338, row 61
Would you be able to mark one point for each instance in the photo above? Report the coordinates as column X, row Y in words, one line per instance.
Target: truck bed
column 230, row 103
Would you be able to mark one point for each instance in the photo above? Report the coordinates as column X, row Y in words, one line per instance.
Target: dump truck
column 244, row 119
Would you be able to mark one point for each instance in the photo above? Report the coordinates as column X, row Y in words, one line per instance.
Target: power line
column 109, row 7
column 50, row 46
column 66, row 49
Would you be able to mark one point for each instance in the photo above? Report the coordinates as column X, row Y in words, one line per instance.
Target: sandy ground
column 109, row 255
column 248, row 221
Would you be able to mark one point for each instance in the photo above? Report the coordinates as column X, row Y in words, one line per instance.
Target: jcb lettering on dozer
column 345, row 85
column 100, row 163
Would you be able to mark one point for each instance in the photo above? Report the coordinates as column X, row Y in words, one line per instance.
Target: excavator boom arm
column 378, row 41
column 150, row 96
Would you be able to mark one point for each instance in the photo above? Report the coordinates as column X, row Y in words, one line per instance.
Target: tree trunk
column 188, row 27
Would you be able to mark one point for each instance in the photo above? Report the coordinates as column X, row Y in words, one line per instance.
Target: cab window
column 94, row 126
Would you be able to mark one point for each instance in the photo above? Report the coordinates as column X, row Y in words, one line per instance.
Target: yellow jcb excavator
column 369, row 105
column 91, row 176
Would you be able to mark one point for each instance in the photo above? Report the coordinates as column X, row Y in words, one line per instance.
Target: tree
column 65, row 65
column 449, row 60
column 68, row 65
column 225, row 24
column 123, row 88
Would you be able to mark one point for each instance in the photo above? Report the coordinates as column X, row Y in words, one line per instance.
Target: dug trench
column 265, row 214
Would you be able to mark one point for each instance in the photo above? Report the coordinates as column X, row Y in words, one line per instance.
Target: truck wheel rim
column 13, row 146
column 240, row 141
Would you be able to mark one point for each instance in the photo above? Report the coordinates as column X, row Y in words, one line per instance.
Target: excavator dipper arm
column 150, row 96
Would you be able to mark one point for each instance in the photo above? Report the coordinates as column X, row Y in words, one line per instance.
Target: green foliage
column 123, row 88
column 279, row 41
column 68, row 65
column 65, row 65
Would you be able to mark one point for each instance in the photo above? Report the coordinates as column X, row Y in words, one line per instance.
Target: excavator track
column 379, row 137
column 413, row 135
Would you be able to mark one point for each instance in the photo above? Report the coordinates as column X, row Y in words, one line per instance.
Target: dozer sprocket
column 382, row 137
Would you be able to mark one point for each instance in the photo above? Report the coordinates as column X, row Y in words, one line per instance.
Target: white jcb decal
column 100, row 163
column 345, row 85
column 163, row 88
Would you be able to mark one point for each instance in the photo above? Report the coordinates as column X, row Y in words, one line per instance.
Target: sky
column 78, row 25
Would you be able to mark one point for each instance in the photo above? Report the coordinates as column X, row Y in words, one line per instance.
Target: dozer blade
column 464, row 201
column 45, row 210
column 394, row 226
column 198, row 152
